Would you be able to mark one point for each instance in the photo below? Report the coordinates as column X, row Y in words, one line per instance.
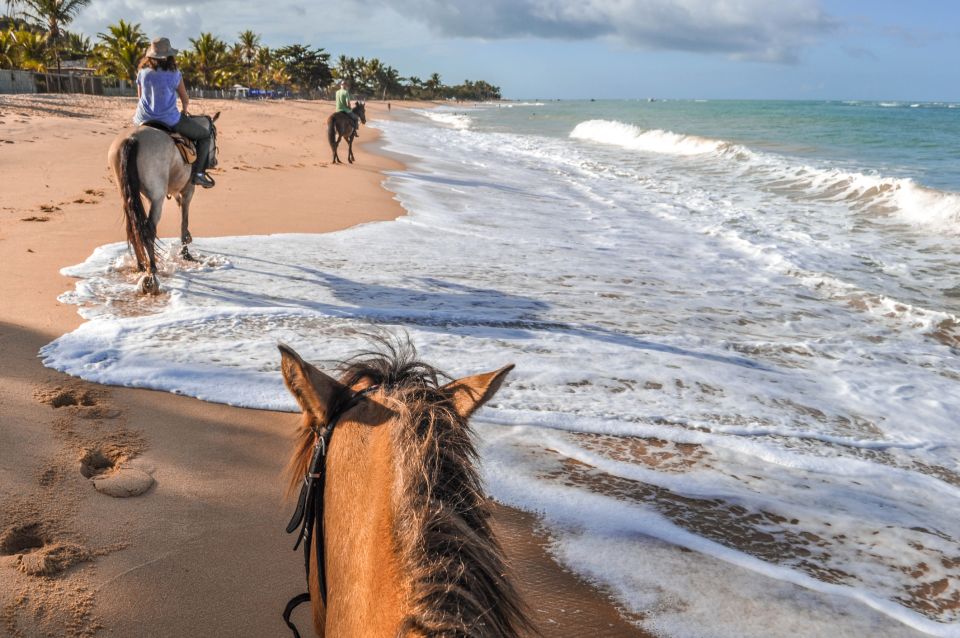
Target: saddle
column 188, row 150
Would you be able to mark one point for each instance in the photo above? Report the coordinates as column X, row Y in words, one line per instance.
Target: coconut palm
column 351, row 70
column 249, row 45
column 433, row 85
column 119, row 50
column 8, row 52
column 246, row 48
column 76, row 46
column 54, row 15
column 210, row 56
column 30, row 50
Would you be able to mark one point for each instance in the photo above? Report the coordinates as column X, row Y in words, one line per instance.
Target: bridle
column 308, row 515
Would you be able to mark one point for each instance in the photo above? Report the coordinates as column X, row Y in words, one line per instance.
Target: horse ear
column 215, row 117
column 469, row 393
column 312, row 389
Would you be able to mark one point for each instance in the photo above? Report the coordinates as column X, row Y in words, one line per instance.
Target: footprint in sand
column 34, row 218
column 105, row 452
column 49, row 208
column 35, row 553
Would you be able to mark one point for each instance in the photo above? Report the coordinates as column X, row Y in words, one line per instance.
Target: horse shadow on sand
column 438, row 305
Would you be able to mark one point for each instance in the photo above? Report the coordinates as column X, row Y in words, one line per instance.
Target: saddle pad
column 186, row 147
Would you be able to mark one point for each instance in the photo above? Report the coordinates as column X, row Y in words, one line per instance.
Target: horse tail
column 140, row 233
column 332, row 132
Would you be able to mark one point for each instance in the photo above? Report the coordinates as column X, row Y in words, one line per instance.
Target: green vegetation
column 36, row 40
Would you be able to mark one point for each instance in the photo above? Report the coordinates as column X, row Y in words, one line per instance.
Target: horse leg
column 336, row 145
column 353, row 134
column 185, row 237
column 149, row 284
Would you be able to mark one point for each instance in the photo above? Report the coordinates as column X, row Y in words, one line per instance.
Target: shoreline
column 183, row 553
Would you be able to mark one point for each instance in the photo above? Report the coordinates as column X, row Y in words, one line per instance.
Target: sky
column 713, row 49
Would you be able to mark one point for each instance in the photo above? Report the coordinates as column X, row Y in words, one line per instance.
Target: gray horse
column 147, row 162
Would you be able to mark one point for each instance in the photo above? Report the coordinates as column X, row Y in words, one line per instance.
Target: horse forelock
column 442, row 533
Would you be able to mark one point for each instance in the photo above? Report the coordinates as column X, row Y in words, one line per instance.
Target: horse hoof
column 185, row 255
column 187, row 239
column 149, row 285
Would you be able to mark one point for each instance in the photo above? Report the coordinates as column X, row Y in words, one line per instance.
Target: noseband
column 309, row 513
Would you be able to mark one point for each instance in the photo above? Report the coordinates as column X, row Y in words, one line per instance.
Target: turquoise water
column 895, row 139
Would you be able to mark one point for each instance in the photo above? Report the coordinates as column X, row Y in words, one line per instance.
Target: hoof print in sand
column 21, row 538
column 124, row 483
column 62, row 397
column 53, row 559
column 35, row 555
column 95, row 462
column 98, row 411
column 111, row 478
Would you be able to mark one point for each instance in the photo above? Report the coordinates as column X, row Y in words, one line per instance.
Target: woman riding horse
column 159, row 84
column 147, row 162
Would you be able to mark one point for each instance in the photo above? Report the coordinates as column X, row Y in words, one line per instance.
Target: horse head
column 399, row 483
column 212, row 163
column 361, row 110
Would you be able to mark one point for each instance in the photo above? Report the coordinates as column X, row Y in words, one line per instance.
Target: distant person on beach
column 159, row 84
column 343, row 104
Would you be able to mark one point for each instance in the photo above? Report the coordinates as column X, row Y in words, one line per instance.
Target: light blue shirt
column 158, row 97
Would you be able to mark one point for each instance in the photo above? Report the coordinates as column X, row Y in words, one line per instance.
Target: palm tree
column 8, row 49
column 414, row 86
column 260, row 73
column 248, row 44
column 30, row 50
column 76, row 46
column 351, row 70
column 211, row 54
column 54, row 14
column 119, row 50
column 433, row 85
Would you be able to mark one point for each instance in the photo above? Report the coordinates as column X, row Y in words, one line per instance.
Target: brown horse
column 340, row 125
column 404, row 539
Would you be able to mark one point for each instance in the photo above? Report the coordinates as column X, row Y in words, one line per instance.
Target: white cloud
column 754, row 29
column 770, row 30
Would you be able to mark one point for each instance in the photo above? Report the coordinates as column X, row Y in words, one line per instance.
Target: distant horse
column 339, row 126
column 391, row 512
column 148, row 162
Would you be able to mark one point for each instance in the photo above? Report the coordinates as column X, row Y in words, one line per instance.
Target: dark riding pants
column 192, row 129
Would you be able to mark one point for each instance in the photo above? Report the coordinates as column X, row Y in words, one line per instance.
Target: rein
column 308, row 515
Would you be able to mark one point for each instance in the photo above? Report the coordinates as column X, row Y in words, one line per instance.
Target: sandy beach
column 202, row 551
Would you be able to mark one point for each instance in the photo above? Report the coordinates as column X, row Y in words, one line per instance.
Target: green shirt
column 343, row 101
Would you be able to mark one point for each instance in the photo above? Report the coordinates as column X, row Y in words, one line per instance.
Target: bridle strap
column 308, row 515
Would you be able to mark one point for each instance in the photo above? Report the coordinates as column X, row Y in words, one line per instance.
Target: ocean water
column 737, row 396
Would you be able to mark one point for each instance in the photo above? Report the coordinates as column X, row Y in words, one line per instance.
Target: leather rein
column 308, row 516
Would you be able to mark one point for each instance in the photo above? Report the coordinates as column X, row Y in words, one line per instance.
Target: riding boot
column 199, row 176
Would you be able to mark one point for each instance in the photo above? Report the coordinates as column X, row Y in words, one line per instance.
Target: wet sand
column 195, row 545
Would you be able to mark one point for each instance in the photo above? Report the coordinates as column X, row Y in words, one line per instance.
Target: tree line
column 36, row 39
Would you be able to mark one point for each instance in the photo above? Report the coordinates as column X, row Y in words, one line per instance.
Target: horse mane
column 444, row 541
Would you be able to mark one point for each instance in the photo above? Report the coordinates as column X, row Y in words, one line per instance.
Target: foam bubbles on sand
column 717, row 381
